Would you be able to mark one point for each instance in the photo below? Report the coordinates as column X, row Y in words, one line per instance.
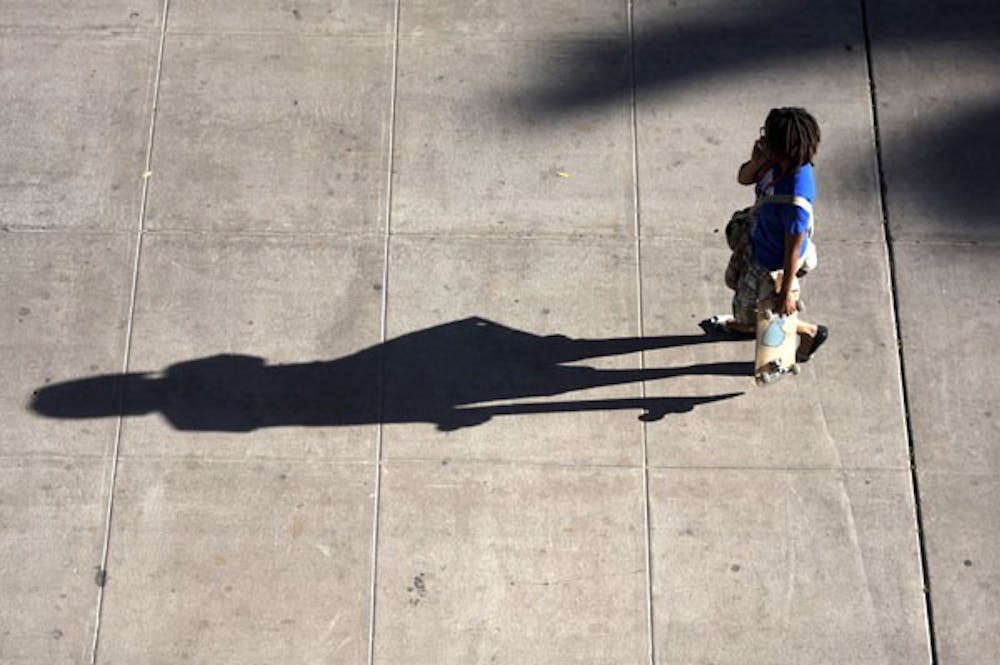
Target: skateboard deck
column 776, row 343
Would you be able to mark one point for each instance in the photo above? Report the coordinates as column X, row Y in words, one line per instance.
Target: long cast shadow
column 439, row 375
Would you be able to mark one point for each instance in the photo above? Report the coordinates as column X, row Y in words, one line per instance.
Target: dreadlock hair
column 792, row 134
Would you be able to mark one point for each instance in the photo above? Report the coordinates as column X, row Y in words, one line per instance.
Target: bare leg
column 808, row 333
column 804, row 328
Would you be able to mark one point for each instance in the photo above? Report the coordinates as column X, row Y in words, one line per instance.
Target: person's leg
column 811, row 337
column 741, row 328
column 744, row 319
column 806, row 329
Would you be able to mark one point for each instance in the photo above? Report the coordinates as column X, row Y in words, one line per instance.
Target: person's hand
column 786, row 303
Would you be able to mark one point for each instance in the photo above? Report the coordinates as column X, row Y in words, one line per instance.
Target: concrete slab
column 928, row 22
column 951, row 359
column 66, row 305
column 699, row 114
column 696, row 43
column 272, row 133
column 937, row 110
column 301, row 16
column 524, row 564
column 473, row 155
column 52, row 514
column 700, row 23
column 74, row 126
column 247, row 332
column 559, row 19
column 91, row 15
column 482, row 362
column 513, row 224
column 935, row 68
column 230, row 562
column 804, row 567
column 843, row 411
column 962, row 533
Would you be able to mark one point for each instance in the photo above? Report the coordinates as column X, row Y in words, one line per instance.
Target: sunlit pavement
column 365, row 332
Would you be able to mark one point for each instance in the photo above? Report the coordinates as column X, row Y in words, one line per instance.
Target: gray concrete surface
column 366, row 332
column 937, row 77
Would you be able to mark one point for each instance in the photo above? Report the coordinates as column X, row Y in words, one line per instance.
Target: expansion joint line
column 383, row 333
column 894, row 295
column 140, row 231
column 633, row 121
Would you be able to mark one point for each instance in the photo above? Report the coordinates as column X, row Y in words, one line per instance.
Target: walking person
column 775, row 234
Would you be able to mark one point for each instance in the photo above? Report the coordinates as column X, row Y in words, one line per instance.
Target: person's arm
column 793, row 247
column 750, row 169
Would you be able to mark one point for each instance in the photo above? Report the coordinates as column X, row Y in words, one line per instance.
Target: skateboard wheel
column 796, row 369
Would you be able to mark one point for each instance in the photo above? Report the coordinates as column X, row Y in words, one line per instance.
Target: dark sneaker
column 719, row 325
column 803, row 355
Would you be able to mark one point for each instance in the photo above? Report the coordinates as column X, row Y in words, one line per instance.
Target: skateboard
column 776, row 343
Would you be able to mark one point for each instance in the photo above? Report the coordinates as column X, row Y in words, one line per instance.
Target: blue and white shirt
column 774, row 220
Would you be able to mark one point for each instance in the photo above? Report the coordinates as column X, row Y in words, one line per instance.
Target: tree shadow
column 942, row 171
column 679, row 47
column 675, row 49
column 438, row 375
column 676, row 46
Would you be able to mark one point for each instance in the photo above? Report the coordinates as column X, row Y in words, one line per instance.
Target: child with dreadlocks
column 775, row 233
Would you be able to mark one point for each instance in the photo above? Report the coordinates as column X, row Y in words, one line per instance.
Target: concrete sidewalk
column 366, row 332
